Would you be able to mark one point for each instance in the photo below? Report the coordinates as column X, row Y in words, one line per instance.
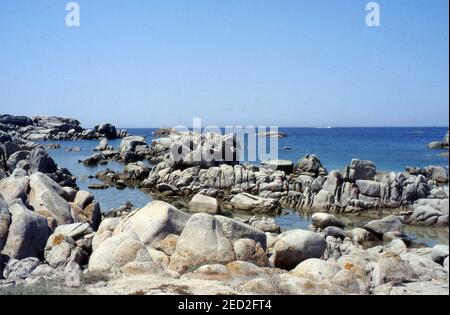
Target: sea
column 392, row 149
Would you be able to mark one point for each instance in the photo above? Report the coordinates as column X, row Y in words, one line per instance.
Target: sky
column 289, row 63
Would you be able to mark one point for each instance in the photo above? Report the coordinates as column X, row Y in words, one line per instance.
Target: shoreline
column 163, row 248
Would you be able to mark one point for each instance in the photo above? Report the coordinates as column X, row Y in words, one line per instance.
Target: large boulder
column 323, row 220
column 154, row 222
column 28, row 233
column 248, row 202
column 116, row 252
column 202, row 242
column 310, row 165
column 361, row 170
column 83, row 199
column 440, row 253
column 15, row 186
column 316, row 270
column 41, row 162
column 46, row 199
column 438, row 173
column 369, row 188
column 15, row 158
column 389, row 224
column 107, row 130
column 278, row 165
column 5, row 221
column 128, row 144
column 4, row 137
column 202, row 203
column 21, row 121
column 293, row 247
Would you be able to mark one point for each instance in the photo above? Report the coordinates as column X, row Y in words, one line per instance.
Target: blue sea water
column 392, row 149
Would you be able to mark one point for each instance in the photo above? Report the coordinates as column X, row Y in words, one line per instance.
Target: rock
column 28, row 233
column 202, row 203
column 361, row 236
column 265, row 224
column 137, row 170
column 195, row 249
column 369, row 188
column 59, row 250
column 435, row 145
column 167, row 245
column 438, row 173
column 346, row 279
column 70, row 193
column 391, row 268
column 94, row 159
column 116, row 252
column 4, row 137
column 425, row 215
column 361, row 170
column 446, row 266
column 250, row 251
column 105, row 231
column 20, row 269
column 440, row 253
column 278, row 165
column 293, row 247
column 154, row 222
column 5, row 221
column 107, row 130
column 235, row 230
column 21, row 121
column 103, row 146
column 74, row 231
column 414, row 288
column 333, row 182
column 334, row 232
column 83, row 199
column 15, row 186
column 46, row 199
column 310, row 164
column 247, row 202
column 316, row 270
column 15, row 158
column 93, row 214
column 128, row 144
column 41, row 162
column 323, row 220
column 389, row 224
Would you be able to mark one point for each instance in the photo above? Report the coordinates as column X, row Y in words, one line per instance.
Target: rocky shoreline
column 53, row 234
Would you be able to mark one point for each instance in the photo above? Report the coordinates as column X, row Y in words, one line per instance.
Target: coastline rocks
column 5, row 221
column 310, row 165
column 21, row 121
column 196, row 249
column 439, row 254
column 437, row 173
column 265, row 224
column 389, row 224
column 249, row 251
column 293, row 247
column 323, row 220
column 427, row 215
column 278, row 165
column 83, row 199
column 107, row 130
column 17, row 269
column 316, row 270
column 45, row 198
column 41, row 162
column 248, row 202
column 28, row 233
column 154, row 222
column 15, row 186
column 361, row 170
column 444, row 144
column 202, row 203
column 103, row 146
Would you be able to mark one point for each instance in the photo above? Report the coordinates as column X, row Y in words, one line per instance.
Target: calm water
column 390, row 148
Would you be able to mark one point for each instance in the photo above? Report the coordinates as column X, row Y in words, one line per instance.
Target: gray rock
column 41, row 162
column 389, row 224
column 103, row 146
column 15, row 186
column 20, row 269
column 107, row 130
column 293, row 247
column 235, row 230
column 83, row 199
column 278, row 165
column 333, row 182
column 74, row 231
column 440, row 253
column 202, row 203
column 15, row 158
column 28, row 233
column 310, row 164
column 195, row 249
column 438, row 173
column 154, row 222
column 323, row 220
column 248, row 202
column 361, row 170
column 334, row 232
column 46, row 199
column 250, row 251
column 5, row 221
column 391, row 268
column 369, row 188
column 316, row 270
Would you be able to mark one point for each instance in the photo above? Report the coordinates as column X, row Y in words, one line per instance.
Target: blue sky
column 148, row 63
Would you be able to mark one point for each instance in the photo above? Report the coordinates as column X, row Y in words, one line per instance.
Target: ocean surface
column 392, row 149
